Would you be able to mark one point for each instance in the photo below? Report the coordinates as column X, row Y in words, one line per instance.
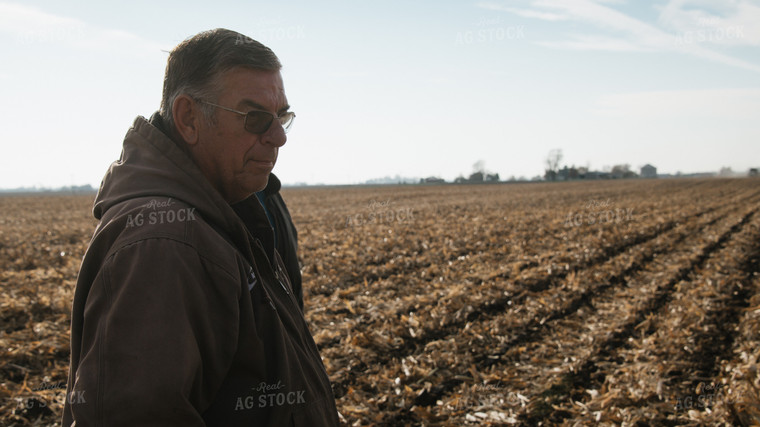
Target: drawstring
column 252, row 281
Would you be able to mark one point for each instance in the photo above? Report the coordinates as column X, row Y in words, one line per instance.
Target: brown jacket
column 181, row 316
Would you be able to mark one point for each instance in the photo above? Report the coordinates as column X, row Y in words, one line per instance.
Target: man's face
column 235, row 161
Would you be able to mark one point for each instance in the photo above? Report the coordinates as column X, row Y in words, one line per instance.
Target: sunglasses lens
column 258, row 122
column 286, row 120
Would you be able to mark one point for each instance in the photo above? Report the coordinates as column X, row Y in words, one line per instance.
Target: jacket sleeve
column 160, row 331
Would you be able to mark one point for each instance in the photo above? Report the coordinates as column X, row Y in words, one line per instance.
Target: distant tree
column 479, row 166
column 552, row 163
column 622, row 171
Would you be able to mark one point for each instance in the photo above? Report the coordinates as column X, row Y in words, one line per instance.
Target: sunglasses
column 258, row 121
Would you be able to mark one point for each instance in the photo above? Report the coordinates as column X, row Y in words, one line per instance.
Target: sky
column 416, row 88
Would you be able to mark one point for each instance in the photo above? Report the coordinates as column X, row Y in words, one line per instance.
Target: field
column 616, row 302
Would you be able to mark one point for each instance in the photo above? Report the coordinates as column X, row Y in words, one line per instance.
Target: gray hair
column 195, row 65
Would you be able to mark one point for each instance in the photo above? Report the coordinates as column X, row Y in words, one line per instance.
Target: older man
column 183, row 314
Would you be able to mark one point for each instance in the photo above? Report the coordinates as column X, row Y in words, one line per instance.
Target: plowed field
column 603, row 303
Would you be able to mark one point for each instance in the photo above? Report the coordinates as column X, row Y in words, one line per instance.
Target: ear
column 187, row 119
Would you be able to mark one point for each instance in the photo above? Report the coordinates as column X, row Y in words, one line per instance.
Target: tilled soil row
column 486, row 301
column 428, row 397
column 534, row 339
column 584, row 382
column 735, row 390
column 387, row 263
column 704, row 353
column 402, row 298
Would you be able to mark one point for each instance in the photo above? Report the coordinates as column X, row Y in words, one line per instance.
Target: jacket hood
column 152, row 165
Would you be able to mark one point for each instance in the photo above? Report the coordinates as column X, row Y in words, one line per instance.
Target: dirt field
column 604, row 303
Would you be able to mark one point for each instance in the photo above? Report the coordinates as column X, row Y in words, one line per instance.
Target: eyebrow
column 254, row 104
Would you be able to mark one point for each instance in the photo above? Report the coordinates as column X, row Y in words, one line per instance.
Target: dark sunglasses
column 258, row 121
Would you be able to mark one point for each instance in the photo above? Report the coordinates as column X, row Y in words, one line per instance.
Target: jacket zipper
column 277, row 274
column 305, row 337
column 279, row 280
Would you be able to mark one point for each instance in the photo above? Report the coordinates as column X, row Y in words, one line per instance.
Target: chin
column 246, row 190
column 264, row 183
column 258, row 184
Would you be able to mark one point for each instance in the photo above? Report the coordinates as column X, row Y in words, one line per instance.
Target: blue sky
column 407, row 88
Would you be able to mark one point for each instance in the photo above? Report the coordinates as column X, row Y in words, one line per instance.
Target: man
column 183, row 314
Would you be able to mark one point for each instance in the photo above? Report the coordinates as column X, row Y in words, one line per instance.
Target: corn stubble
column 607, row 303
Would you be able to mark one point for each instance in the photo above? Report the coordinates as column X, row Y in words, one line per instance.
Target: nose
column 275, row 135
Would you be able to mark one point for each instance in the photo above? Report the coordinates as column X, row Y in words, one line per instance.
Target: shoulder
column 138, row 222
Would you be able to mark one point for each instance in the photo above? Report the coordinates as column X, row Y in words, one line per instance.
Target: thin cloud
column 527, row 13
column 731, row 24
column 711, row 104
column 32, row 25
column 624, row 33
column 589, row 42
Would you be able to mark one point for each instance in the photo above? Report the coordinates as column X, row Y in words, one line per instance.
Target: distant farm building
column 648, row 171
column 476, row 177
column 567, row 174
